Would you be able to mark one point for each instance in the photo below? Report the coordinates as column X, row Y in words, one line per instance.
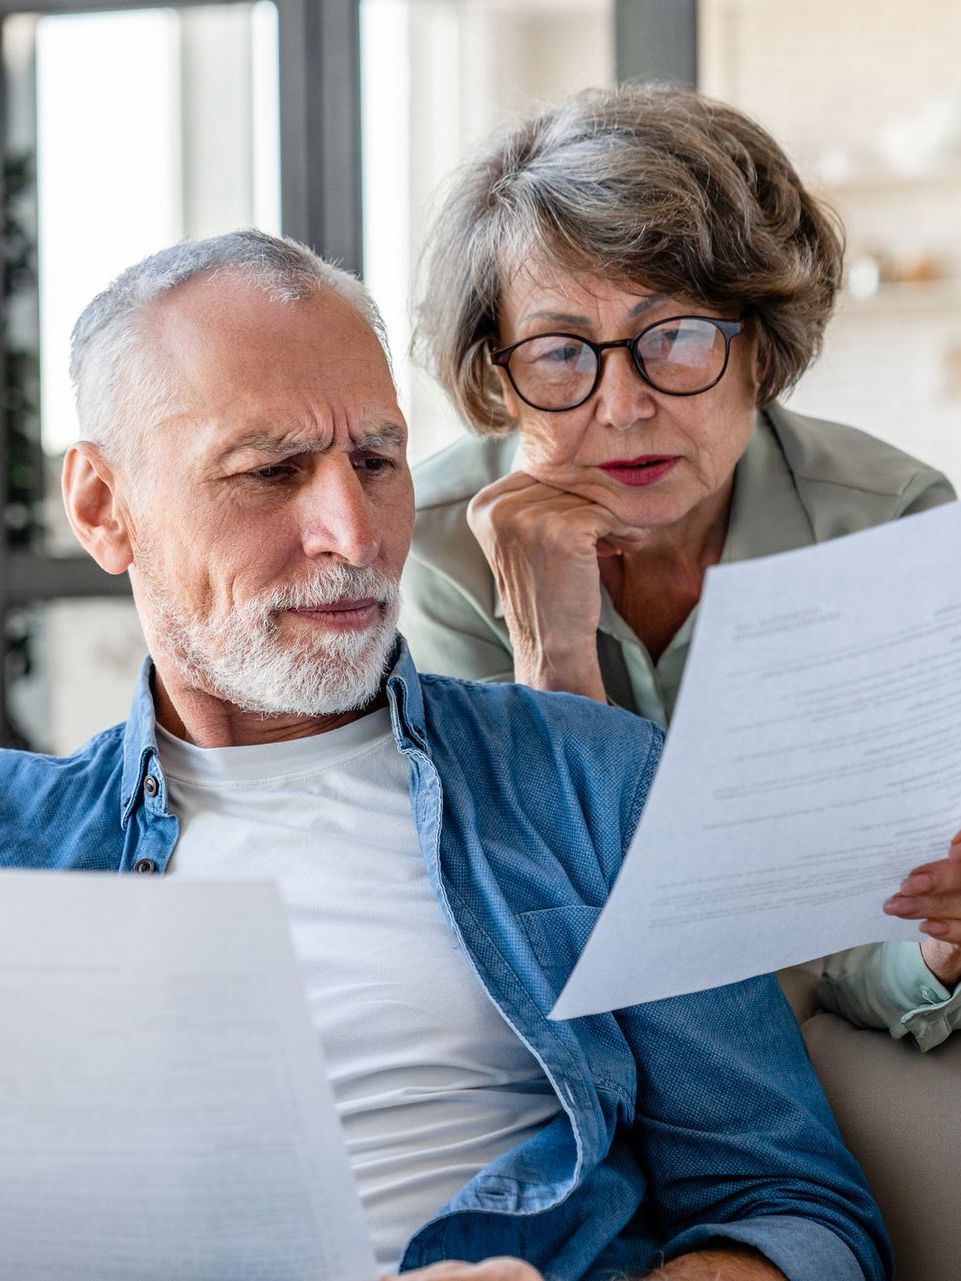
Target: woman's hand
column 932, row 894
column 542, row 545
column 499, row 1269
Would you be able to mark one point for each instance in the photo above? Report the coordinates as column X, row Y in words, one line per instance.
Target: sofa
column 900, row 1113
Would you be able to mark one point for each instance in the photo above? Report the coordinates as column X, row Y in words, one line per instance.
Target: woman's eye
column 562, row 355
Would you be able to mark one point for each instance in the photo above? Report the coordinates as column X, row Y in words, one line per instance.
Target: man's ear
column 96, row 514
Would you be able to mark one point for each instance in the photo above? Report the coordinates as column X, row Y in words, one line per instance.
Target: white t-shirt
column 430, row 1081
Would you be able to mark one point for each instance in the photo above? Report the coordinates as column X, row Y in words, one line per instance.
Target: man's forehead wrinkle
column 296, row 441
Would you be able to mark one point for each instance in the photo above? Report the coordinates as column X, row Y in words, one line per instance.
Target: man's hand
column 502, row 1268
column 731, row 1263
column 932, row 894
column 542, row 545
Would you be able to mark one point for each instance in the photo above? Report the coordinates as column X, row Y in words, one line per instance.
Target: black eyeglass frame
column 729, row 329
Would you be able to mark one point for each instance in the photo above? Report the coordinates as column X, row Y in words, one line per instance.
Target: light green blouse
column 801, row 481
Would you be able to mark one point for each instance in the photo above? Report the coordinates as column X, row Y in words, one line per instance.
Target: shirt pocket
column 557, row 936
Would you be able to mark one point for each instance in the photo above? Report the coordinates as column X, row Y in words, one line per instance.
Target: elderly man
column 443, row 847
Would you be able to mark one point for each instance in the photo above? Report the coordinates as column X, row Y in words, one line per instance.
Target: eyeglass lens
column 555, row 371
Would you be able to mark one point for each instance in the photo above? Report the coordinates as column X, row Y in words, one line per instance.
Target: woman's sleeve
column 888, row 985
column 927, row 488
column 447, row 630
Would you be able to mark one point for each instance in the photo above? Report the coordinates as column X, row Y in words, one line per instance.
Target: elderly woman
column 616, row 295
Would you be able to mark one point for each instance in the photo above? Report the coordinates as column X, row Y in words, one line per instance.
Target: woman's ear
column 96, row 514
column 512, row 402
column 759, row 355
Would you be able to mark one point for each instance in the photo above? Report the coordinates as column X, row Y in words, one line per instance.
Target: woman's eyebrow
column 645, row 304
column 562, row 317
column 568, row 318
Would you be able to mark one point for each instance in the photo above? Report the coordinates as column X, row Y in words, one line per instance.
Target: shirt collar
column 406, row 700
column 140, row 733
column 767, row 515
column 139, row 740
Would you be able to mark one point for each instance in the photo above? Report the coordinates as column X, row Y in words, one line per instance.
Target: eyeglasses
column 680, row 356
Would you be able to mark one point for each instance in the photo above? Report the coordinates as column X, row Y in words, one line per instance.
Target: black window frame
column 320, row 180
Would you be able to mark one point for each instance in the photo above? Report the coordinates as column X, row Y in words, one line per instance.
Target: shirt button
column 928, row 994
column 145, row 866
column 150, row 785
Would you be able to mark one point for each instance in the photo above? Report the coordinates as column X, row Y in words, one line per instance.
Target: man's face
column 274, row 505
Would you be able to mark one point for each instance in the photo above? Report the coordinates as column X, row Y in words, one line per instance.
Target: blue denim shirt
column 678, row 1127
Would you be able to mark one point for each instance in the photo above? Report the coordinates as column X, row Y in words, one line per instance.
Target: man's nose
column 623, row 397
column 336, row 515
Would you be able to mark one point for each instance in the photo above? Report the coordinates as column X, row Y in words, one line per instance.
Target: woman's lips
column 646, row 470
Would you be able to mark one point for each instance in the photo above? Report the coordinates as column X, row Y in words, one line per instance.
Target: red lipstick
column 646, row 470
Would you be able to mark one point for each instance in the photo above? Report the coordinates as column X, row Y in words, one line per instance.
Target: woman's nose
column 623, row 397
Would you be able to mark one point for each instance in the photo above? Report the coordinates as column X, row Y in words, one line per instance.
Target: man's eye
column 373, row 464
column 278, row 471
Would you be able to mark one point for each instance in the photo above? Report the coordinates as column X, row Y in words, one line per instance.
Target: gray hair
column 651, row 185
column 121, row 390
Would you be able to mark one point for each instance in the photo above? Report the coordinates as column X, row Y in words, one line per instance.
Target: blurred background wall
column 338, row 121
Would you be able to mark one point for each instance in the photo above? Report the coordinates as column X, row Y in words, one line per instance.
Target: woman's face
column 683, row 448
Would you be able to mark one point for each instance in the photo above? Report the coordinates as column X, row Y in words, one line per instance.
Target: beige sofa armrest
column 799, row 984
column 900, row 1113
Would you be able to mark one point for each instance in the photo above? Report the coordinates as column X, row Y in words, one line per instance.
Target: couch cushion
column 799, row 984
column 900, row 1113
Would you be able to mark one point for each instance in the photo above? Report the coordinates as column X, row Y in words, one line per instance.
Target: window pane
column 438, row 76
column 125, row 132
column 71, row 668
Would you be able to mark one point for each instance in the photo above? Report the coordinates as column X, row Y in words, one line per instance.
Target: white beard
column 243, row 659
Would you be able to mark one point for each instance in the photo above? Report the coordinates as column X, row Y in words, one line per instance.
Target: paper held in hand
column 814, row 759
column 165, row 1114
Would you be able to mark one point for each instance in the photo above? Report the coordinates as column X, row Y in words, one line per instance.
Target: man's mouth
column 340, row 615
column 646, row 470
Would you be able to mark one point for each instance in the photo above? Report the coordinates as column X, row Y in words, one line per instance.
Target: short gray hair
column 118, row 384
column 651, row 185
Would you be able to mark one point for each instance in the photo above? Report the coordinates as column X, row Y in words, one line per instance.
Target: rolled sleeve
column 802, row 1249
column 738, row 1139
column 888, row 985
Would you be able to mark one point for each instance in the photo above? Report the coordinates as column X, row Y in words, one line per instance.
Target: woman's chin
column 644, row 509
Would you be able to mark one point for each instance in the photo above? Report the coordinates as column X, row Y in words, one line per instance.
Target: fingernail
column 898, row 904
column 918, row 883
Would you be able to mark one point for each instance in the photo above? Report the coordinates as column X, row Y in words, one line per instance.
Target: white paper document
column 165, row 1114
column 814, row 759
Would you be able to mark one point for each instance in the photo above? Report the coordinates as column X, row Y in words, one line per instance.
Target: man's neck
column 200, row 718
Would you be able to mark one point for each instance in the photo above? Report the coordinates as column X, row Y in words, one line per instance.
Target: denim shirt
column 678, row 1129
